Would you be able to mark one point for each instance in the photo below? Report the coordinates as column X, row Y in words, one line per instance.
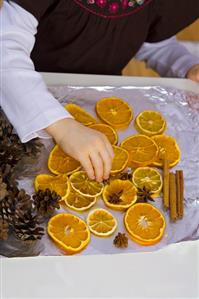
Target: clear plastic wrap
column 181, row 110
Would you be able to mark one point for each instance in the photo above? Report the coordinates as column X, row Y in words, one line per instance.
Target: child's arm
column 170, row 59
column 31, row 108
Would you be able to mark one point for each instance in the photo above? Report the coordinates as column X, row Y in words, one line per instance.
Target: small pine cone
column 46, row 202
column 5, row 126
column 121, row 241
column 4, row 229
column 26, row 227
column 7, row 207
column 3, row 189
column 33, row 147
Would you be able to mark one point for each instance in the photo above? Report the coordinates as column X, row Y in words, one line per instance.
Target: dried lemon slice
column 150, row 123
column 83, row 185
column 149, row 178
column 78, row 202
column 101, row 223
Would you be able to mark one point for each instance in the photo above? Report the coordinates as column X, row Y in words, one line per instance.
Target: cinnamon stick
column 180, row 193
column 166, row 184
column 172, row 197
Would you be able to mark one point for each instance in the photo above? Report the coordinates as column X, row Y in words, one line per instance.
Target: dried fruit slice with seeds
column 61, row 163
column 80, row 114
column 115, row 112
column 150, row 123
column 119, row 194
column 145, row 224
column 101, row 223
column 69, row 232
column 82, row 184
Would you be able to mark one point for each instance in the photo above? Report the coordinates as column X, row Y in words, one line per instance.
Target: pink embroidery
column 112, row 8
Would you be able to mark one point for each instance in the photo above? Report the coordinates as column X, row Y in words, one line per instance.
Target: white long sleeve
column 24, row 95
column 169, row 58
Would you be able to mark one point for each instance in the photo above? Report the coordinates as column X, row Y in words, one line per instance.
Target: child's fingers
column 88, row 167
column 97, row 165
column 107, row 163
column 108, row 147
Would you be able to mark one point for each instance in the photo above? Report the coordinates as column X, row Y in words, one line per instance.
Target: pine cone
column 121, row 241
column 33, row 147
column 26, row 227
column 46, row 202
column 3, row 189
column 10, row 153
column 4, row 229
column 5, row 127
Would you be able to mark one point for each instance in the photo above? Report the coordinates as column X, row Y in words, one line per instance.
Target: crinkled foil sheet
column 181, row 110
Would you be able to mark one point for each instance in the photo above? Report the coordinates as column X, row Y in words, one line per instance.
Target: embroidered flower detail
column 111, row 8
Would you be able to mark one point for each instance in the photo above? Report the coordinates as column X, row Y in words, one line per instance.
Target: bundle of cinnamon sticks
column 173, row 192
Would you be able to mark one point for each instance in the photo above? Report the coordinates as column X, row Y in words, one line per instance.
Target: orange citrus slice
column 150, row 123
column 78, row 202
column 145, row 224
column 149, row 178
column 119, row 194
column 61, row 163
column 80, row 114
column 69, row 232
column 106, row 130
column 101, row 223
column 59, row 184
column 168, row 149
column 115, row 112
column 83, row 185
column 142, row 150
column 120, row 159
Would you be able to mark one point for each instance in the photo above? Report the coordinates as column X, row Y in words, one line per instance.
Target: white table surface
column 172, row 272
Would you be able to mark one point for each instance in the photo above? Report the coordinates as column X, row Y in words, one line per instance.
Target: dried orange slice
column 120, row 159
column 83, row 185
column 149, row 178
column 61, row 163
column 115, row 112
column 106, row 130
column 101, row 223
column 168, row 149
column 69, row 232
column 145, row 224
column 150, row 123
column 119, row 194
column 58, row 184
column 142, row 150
column 78, row 202
column 80, row 114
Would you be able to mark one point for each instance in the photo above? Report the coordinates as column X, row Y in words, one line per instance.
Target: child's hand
column 193, row 73
column 91, row 148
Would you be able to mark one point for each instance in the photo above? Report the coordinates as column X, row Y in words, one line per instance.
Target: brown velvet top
column 101, row 36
